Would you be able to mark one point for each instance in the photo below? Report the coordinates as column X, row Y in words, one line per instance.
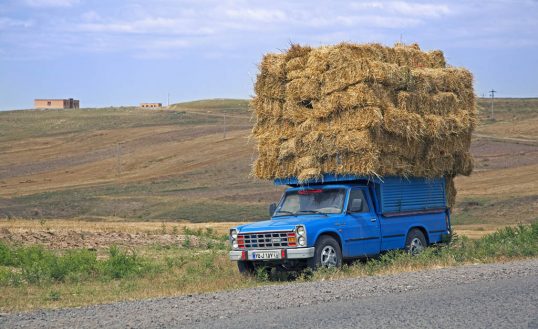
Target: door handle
column 373, row 219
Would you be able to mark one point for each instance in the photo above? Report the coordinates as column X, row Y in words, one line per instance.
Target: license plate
column 266, row 255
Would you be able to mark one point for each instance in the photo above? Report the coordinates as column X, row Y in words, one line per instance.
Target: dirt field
column 174, row 165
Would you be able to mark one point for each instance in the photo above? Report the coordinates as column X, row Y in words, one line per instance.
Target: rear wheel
column 246, row 268
column 415, row 242
column 328, row 253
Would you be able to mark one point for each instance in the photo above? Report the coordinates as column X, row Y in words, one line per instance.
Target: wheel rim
column 328, row 257
column 416, row 246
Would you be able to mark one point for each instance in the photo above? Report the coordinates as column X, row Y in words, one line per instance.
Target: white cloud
column 8, row 23
column 419, row 9
column 50, row 3
column 405, row 8
column 261, row 15
column 148, row 25
column 90, row 16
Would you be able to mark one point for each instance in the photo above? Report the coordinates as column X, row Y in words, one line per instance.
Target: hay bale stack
column 363, row 110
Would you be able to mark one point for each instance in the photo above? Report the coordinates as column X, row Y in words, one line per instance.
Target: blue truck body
column 391, row 209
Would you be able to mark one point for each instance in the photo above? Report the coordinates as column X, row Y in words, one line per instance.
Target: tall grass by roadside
column 505, row 244
column 34, row 277
column 36, row 265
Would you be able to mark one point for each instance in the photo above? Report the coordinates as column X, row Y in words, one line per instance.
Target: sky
column 112, row 53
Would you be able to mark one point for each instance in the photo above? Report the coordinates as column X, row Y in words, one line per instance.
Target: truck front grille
column 267, row 240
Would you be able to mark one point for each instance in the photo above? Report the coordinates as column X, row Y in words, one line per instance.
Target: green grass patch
column 37, row 265
column 507, row 243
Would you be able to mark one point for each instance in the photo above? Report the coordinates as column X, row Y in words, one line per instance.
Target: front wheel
column 415, row 242
column 328, row 254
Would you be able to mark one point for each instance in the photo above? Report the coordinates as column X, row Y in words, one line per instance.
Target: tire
column 415, row 242
column 328, row 253
column 246, row 268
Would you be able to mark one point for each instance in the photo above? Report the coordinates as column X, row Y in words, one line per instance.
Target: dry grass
column 174, row 165
column 111, row 225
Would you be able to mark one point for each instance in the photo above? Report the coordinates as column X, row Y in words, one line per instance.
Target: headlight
column 235, row 245
column 302, row 241
column 300, row 230
column 233, row 234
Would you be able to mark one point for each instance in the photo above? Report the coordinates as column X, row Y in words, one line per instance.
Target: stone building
column 56, row 103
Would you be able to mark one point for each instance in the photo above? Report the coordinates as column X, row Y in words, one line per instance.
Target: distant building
column 56, row 103
column 151, row 105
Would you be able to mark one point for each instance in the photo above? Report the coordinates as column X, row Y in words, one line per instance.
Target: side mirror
column 272, row 208
column 356, row 205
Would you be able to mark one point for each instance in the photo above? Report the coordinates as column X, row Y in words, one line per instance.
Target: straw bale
column 404, row 55
column 303, row 89
column 296, row 112
column 332, row 142
column 403, row 123
column 459, row 124
column 353, row 97
column 273, row 64
column 362, row 70
column 464, row 163
column 267, row 107
column 295, row 68
column 394, row 144
column 366, row 163
column 452, row 79
column 306, row 162
column 297, row 50
column 441, row 103
column 270, row 86
column 369, row 117
column 309, row 173
column 412, row 56
column 394, row 164
column 437, row 59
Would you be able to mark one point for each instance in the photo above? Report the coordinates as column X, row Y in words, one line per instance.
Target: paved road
column 475, row 296
column 508, row 303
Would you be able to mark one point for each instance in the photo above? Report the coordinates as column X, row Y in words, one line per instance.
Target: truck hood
column 283, row 223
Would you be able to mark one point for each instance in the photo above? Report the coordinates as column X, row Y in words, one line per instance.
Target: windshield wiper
column 286, row 212
column 312, row 212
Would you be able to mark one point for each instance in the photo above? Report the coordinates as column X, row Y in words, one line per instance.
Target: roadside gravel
column 189, row 310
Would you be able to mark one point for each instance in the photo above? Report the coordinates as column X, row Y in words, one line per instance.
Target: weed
column 262, row 273
column 186, row 242
column 54, row 295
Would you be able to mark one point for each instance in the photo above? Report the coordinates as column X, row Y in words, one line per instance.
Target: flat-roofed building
column 151, row 105
column 69, row 103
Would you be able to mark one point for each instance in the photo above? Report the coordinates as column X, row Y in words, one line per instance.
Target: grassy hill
column 175, row 164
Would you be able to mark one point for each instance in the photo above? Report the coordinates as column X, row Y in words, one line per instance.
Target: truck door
column 361, row 231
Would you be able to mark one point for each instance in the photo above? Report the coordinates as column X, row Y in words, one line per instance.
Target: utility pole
column 492, row 94
column 224, row 125
column 168, row 100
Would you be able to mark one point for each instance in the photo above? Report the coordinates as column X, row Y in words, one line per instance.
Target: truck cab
column 321, row 223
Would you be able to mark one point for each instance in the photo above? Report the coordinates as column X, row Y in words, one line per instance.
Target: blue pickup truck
column 324, row 222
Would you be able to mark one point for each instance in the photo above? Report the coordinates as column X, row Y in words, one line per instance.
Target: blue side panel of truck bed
column 411, row 194
column 394, row 194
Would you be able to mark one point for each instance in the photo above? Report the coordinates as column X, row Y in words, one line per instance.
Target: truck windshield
column 312, row 201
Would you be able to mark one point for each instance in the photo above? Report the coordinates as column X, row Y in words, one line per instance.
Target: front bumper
column 291, row 253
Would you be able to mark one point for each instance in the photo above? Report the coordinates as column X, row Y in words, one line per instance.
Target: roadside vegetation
column 34, row 277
